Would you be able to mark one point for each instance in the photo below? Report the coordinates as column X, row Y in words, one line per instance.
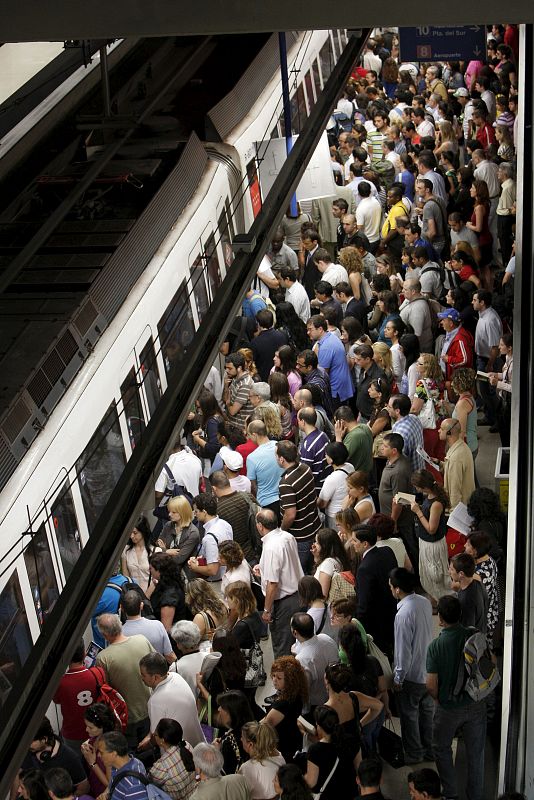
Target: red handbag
column 455, row 542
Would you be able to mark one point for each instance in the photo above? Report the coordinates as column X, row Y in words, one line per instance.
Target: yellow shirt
column 390, row 224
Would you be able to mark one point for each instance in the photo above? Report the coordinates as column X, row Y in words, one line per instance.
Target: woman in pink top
column 285, row 360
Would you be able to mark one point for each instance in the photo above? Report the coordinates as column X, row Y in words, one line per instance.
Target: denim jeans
column 416, row 712
column 447, row 721
column 305, row 555
column 370, row 734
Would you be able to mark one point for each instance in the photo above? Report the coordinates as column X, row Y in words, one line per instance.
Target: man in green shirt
column 454, row 711
column 356, row 437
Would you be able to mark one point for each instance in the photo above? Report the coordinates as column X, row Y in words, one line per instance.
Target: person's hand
column 266, row 616
column 104, row 795
column 445, row 358
column 145, row 743
column 493, row 378
column 415, row 507
column 173, row 551
column 89, row 753
column 161, row 544
column 397, row 687
column 198, row 679
column 256, row 570
column 339, row 429
column 217, row 743
column 192, row 563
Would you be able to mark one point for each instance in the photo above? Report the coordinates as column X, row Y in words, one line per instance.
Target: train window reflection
column 316, row 77
column 199, row 287
column 214, row 270
column 325, row 57
column 100, row 466
column 66, row 530
column 309, row 89
column 131, row 401
column 298, row 109
column 150, row 376
column 15, row 637
column 41, row 574
column 226, row 239
column 176, row 328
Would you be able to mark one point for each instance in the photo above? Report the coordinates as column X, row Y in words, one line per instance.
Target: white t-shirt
column 240, row 483
column 173, row 699
column 335, row 274
column 259, row 776
column 328, row 566
column 369, row 214
column 399, row 362
column 187, row 470
column 258, row 285
column 334, row 489
column 397, row 545
column 240, row 573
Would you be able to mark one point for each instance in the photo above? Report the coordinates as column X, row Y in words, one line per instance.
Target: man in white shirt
column 280, row 572
column 265, row 278
column 213, row 383
column 171, row 698
column 296, row 294
column 331, row 273
column 368, row 213
column 370, row 61
column 206, row 563
column 334, row 488
column 314, row 652
column 186, row 469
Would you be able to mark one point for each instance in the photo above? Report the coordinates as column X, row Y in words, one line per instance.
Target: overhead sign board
column 443, row 43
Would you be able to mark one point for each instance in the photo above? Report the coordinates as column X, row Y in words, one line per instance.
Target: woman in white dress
column 431, row 529
column 330, row 556
column 259, row 741
column 134, row 560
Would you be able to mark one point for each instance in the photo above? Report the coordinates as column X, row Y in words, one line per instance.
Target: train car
column 54, row 497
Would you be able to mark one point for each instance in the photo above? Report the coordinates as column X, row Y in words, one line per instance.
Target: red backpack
column 114, row 701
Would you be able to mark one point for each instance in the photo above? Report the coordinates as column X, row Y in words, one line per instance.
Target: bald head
column 302, row 398
column 450, row 430
column 257, row 428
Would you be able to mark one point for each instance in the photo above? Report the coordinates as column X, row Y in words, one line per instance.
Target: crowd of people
column 309, row 497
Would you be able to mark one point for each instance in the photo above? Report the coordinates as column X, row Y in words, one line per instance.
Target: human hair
column 366, row 534
column 79, row 653
column 410, row 347
column 327, row 719
column 365, row 351
column 295, row 681
column 169, row 570
column 324, row 287
column 236, row 705
column 481, row 192
column 143, row 527
column 208, row 759
column 310, row 358
column 484, row 297
column 331, row 546
column 309, row 590
column 182, row 505
column 206, row 502
column 289, row 321
column 403, row 579
column 115, row 742
column 231, row 553
column 292, row 783
column 337, row 452
column 370, row 772
column 155, row 664
column 347, row 517
column 318, row 321
column 402, row 403
column 58, row 782
column 308, row 415
column 209, row 407
column 383, row 525
column 267, row 517
column 390, row 301
column 131, row 603
column 308, row 231
column 257, row 427
column 339, row 677
column 287, row 451
column 463, row 380
column 303, row 624
column 262, row 390
column 484, row 504
column 262, row 737
column 431, row 366
column 350, row 640
column 101, row 715
column 288, row 358
column 109, row 625
column 481, row 543
column 426, row 780
column 380, row 283
column 394, row 440
column 172, row 734
column 449, row 609
column 288, row 273
column 250, row 366
column 243, row 597
column 350, row 258
column 237, row 359
column 358, row 480
column 341, row 203
column 186, row 634
column 200, row 596
column 219, row 479
column 345, row 607
column 265, row 318
column 383, row 357
column 34, row 783
column 424, row 479
column 465, row 563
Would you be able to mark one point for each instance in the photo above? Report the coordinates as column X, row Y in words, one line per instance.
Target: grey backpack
column 477, row 674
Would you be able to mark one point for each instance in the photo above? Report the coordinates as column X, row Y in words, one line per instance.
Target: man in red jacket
column 458, row 345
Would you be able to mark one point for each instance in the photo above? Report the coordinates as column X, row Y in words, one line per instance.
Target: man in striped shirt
column 312, row 450
column 113, row 750
column 298, row 501
column 376, row 137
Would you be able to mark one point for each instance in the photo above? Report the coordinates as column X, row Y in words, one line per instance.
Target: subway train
column 60, row 485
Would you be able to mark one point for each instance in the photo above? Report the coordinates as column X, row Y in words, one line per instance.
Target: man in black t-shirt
column 471, row 593
column 47, row 751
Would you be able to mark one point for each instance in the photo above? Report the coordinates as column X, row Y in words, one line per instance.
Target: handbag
column 206, row 722
column 390, row 746
column 374, row 650
column 255, row 674
column 427, row 415
column 341, row 587
column 317, row 795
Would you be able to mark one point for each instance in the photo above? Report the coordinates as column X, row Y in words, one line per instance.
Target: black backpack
column 128, row 586
column 176, row 490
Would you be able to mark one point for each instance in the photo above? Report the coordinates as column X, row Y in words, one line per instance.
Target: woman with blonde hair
column 352, row 261
column 447, row 139
column 250, row 366
column 428, row 402
column 382, row 358
column 209, row 611
column 242, row 606
column 358, row 496
column 260, row 743
column 179, row 537
column 271, row 419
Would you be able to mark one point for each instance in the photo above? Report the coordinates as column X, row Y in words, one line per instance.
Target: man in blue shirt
column 263, row 468
column 108, row 604
column 409, row 426
column 413, row 634
column 332, row 358
column 113, row 750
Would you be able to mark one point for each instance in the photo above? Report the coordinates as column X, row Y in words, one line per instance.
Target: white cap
column 231, row 458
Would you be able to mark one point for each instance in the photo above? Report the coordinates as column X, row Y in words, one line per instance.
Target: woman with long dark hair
column 332, row 760
column 166, row 590
column 174, row 771
column 313, row 602
column 411, row 351
column 289, row 784
column 233, row 711
column 285, row 360
column 289, row 322
column 484, row 506
column 99, row 719
column 205, row 437
column 281, row 397
column 388, row 303
column 431, row 528
column 329, row 556
column 479, row 223
column 135, row 556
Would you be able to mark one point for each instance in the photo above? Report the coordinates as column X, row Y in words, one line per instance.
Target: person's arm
column 494, row 353
column 462, row 414
column 417, row 405
column 124, row 566
column 355, row 280
column 432, row 685
column 378, row 426
column 288, row 519
column 271, row 283
column 431, row 229
column 167, row 616
column 371, row 706
column 432, row 523
column 270, row 596
column 273, row 718
column 234, row 408
column 326, row 581
column 207, row 570
column 479, row 220
column 383, row 694
column 254, row 488
column 312, row 774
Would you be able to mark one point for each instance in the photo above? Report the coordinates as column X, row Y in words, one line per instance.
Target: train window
column 133, row 409
column 230, row 220
column 298, row 110
column 100, row 466
column 66, row 530
column 176, row 328
column 15, row 638
column 325, row 57
column 41, row 574
column 254, row 187
column 339, row 39
column 226, row 241
column 309, row 89
column 198, row 282
column 150, row 375
column 212, row 261
column 333, row 39
column 316, row 78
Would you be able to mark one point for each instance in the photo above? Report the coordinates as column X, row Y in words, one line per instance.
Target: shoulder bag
column 317, row 795
column 255, row 674
column 427, row 415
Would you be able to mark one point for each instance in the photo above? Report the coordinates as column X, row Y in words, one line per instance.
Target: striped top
column 129, row 788
column 312, row 453
column 297, row 488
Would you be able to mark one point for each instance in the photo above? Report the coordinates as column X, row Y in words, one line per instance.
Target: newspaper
column 460, row 520
column 424, row 455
